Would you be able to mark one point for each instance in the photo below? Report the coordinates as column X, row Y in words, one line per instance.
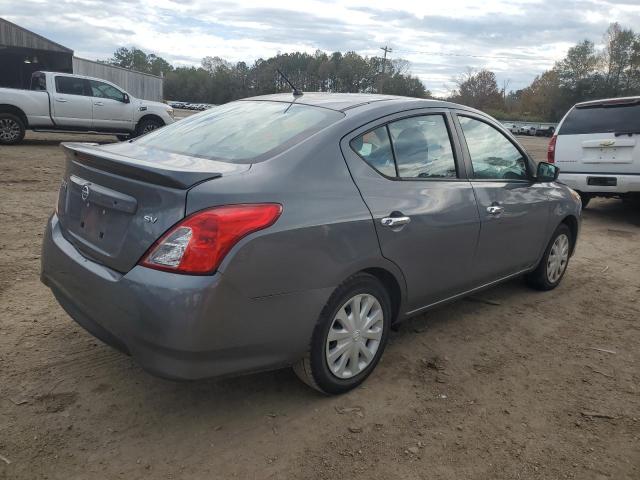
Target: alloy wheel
column 9, row 130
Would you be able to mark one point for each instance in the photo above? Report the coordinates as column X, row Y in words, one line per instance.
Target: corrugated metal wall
column 140, row 85
column 12, row 35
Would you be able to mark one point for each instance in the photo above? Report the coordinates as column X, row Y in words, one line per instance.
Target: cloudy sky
column 517, row 39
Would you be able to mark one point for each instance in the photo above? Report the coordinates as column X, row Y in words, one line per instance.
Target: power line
column 451, row 54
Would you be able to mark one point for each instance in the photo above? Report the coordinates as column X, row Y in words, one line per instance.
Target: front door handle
column 100, row 104
column 494, row 210
column 395, row 221
column 61, row 100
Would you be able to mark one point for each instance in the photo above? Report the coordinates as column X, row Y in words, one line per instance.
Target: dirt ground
column 510, row 384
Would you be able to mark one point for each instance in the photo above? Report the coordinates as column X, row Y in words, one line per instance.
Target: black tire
column 539, row 278
column 313, row 369
column 585, row 198
column 148, row 125
column 12, row 129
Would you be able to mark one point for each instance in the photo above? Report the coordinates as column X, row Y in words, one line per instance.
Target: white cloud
column 441, row 39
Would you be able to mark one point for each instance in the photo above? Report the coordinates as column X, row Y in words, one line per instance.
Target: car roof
column 346, row 101
column 86, row 77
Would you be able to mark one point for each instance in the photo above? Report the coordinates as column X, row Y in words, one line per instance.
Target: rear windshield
column 242, row 132
column 602, row 119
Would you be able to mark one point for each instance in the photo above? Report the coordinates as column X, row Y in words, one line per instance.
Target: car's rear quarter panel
column 325, row 232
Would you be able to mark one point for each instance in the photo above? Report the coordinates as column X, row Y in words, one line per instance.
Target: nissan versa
column 295, row 230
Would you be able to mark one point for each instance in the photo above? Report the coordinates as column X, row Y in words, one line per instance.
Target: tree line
column 218, row 81
column 585, row 73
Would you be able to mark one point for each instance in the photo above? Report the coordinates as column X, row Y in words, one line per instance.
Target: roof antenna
column 296, row 92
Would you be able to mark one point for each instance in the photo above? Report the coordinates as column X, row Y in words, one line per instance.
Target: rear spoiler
column 168, row 170
column 611, row 102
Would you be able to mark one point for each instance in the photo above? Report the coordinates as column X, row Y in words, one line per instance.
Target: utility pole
column 386, row 50
column 505, row 85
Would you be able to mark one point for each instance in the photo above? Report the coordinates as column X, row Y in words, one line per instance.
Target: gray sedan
column 295, row 231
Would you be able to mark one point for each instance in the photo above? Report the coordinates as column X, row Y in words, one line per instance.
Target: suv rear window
column 602, row 119
column 242, row 131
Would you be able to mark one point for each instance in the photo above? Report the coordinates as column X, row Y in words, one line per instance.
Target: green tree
column 478, row 90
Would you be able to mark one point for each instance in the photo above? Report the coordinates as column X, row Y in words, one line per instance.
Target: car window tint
column 374, row 147
column 243, row 131
column 104, row 90
column 602, row 119
column 422, row 147
column 70, row 85
column 492, row 155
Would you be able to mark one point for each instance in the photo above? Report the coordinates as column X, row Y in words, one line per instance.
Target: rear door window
column 602, row 119
column 375, row 148
column 71, row 85
column 38, row 82
column 242, row 131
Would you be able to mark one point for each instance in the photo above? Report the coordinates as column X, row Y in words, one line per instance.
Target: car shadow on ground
column 228, row 394
column 625, row 213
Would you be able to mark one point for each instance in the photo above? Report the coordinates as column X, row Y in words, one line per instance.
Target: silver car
column 295, row 231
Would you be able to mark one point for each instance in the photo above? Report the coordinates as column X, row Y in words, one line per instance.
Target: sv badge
column 150, row 219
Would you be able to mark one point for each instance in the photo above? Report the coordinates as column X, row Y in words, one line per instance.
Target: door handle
column 61, row 100
column 100, row 104
column 395, row 221
column 494, row 210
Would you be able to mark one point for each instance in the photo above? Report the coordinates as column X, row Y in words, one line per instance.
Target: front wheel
column 148, row 125
column 553, row 265
column 12, row 129
column 349, row 337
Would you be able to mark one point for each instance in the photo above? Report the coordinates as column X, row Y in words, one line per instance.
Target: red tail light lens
column 551, row 150
column 198, row 243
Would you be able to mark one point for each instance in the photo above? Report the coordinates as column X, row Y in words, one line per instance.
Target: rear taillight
column 198, row 243
column 551, row 150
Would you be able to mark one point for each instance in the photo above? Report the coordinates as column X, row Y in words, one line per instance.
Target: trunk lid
column 116, row 200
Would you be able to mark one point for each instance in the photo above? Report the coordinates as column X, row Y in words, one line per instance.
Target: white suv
column 597, row 147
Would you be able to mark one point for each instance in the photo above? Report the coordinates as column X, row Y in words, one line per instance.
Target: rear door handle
column 395, row 221
column 100, row 104
column 61, row 100
column 494, row 210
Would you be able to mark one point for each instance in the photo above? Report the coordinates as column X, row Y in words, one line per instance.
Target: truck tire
column 585, row 198
column 12, row 129
column 148, row 125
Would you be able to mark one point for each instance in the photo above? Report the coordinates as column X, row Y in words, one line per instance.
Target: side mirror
column 126, row 98
column 547, row 172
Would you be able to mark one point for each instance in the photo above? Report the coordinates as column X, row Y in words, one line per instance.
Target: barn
column 23, row 52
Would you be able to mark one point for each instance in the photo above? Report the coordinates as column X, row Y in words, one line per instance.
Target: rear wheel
column 553, row 265
column 585, row 198
column 349, row 337
column 12, row 129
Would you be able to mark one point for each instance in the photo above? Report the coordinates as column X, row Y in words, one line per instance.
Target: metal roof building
column 23, row 52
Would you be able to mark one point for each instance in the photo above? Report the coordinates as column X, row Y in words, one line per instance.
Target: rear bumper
column 625, row 183
column 179, row 326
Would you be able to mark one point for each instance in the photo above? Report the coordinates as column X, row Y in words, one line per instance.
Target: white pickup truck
column 68, row 103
